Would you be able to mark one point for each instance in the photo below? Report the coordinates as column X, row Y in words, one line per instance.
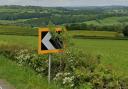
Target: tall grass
column 22, row 77
column 114, row 52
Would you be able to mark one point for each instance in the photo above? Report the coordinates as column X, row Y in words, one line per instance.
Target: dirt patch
column 5, row 85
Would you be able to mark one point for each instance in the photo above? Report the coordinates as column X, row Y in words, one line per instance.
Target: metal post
column 49, row 68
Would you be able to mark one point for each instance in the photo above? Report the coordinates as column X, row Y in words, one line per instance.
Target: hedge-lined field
column 94, row 33
column 17, row 30
column 29, row 31
column 28, row 41
column 109, row 21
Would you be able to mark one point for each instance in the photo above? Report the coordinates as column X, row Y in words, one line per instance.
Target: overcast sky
column 64, row 2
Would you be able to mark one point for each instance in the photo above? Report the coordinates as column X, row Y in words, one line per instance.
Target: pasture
column 110, row 21
column 94, row 33
column 17, row 30
column 114, row 53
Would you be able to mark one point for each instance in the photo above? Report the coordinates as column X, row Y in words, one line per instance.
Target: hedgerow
column 72, row 69
column 125, row 31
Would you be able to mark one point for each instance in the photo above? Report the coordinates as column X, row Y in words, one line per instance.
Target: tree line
column 83, row 26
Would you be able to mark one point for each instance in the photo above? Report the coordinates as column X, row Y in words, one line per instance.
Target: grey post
column 49, row 68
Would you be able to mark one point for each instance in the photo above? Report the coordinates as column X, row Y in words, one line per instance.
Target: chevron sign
column 47, row 44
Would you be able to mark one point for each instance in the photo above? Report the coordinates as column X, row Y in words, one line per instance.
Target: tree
column 125, row 31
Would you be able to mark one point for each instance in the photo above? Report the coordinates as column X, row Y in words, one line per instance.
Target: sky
column 65, row 2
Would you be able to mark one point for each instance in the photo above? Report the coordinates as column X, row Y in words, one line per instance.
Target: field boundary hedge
column 75, row 69
column 99, row 37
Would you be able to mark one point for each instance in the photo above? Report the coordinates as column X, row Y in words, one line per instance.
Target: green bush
column 85, row 71
column 25, row 57
column 72, row 69
column 125, row 31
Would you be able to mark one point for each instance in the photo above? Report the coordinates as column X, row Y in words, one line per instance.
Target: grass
column 110, row 21
column 22, row 77
column 27, row 41
column 12, row 21
column 17, row 30
column 114, row 53
column 94, row 33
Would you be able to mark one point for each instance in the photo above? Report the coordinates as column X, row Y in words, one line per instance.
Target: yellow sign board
column 46, row 44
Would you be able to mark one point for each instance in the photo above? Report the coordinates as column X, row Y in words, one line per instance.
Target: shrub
column 9, row 50
column 85, row 71
column 25, row 57
column 73, row 69
column 125, row 31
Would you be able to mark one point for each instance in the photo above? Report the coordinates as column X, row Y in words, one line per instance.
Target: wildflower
column 72, row 85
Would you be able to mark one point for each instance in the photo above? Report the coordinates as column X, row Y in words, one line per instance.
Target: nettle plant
column 59, row 36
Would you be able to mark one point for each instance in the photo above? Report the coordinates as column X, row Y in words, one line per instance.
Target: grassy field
column 113, row 52
column 94, row 33
column 12, row 21
column 110, row 21
column 27, row 41
column 22, row 77
column 17, row 30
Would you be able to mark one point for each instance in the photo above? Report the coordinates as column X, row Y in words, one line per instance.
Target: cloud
column 64, row 2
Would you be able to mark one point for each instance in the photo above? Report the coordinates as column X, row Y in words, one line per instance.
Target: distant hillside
column 40, row 16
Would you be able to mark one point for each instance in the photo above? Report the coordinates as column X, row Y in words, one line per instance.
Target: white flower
column 66, row 74
column 72, row 77
column 67, row 80
column 72, row 85
column 55, row 79
column 59, row 74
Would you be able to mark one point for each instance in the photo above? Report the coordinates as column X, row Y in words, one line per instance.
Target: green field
column 27, row 41
column 114, row 53
column 94, row 33
column 109, row 21
column 17, row 30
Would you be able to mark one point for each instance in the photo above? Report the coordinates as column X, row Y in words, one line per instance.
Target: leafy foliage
column 94, row 27
column 125, row 31
column 60, row 35
column 73, row 69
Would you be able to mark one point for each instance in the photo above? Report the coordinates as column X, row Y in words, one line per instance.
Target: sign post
column 49, row 68
column 46, row 45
